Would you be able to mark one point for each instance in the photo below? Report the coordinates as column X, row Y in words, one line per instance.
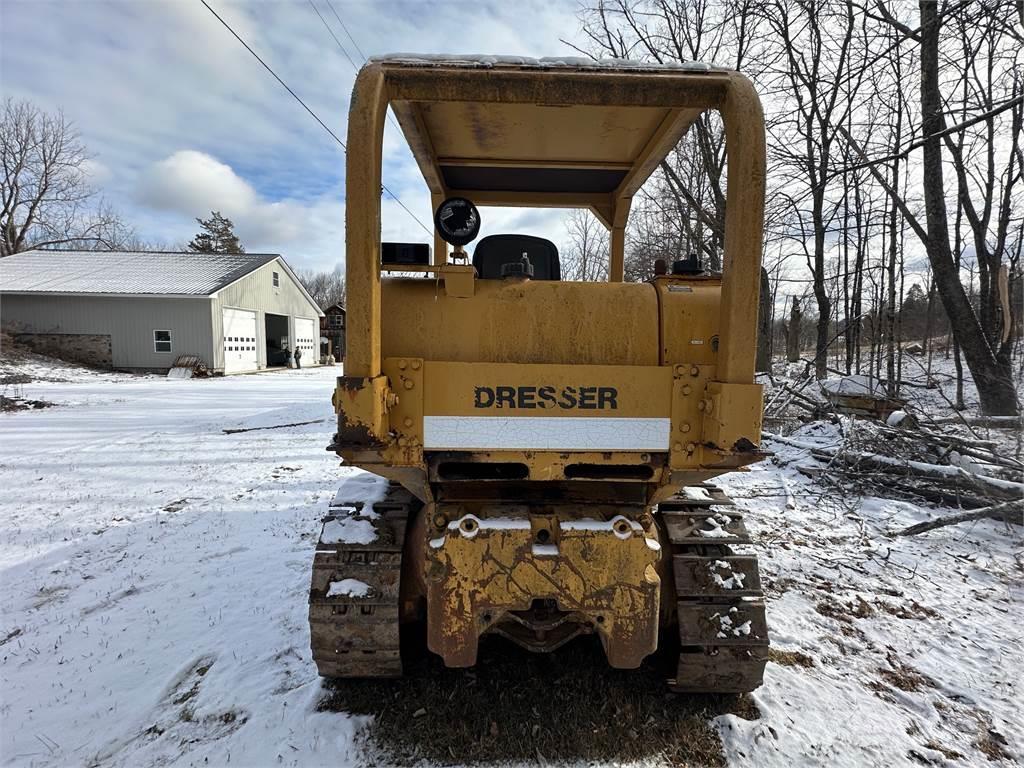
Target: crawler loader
column 548, row 443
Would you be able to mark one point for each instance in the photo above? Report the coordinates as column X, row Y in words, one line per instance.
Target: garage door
column 307, row 338
column 239, row 341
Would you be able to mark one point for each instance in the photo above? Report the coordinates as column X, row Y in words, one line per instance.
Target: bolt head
column 401, row 365
column 408, row 384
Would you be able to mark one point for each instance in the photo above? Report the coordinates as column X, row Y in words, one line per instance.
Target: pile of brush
column 966, row 463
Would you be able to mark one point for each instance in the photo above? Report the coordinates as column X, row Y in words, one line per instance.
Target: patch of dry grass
column 949, row 754
column 905, row 678
column 846, row 612
column 913, row 610
column 568, row 706
column 992, row 743
column 790, row 658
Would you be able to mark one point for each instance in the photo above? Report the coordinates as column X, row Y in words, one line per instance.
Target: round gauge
column 458, row 221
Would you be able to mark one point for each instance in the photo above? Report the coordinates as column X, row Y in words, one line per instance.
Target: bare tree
column 585, row 257
column 867, row 107
column 326, row 288
column 986, row 341
column 45, row 193
column 988, row 360
column 988, row 161
column 816, row 83
column 689, row 188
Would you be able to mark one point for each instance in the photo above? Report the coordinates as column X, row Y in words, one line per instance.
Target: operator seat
column 495, row 250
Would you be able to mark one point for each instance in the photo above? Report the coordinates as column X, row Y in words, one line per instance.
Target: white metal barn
column 141, row 310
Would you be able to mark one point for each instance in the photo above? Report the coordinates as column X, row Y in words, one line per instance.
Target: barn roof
column 135, row 273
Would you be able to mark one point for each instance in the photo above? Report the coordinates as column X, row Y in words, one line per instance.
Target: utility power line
column 306, row 107
column 331, row 6
column 342, row 47
column 331, row 32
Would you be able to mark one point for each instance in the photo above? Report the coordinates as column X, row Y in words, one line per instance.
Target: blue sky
column 181, row 119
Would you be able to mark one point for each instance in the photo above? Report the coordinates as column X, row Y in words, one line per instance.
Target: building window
column 161, row 341
column 277, row 280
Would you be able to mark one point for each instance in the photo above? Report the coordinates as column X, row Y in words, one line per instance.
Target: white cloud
column 190, row 184
column 184, row 120
column 96, row 172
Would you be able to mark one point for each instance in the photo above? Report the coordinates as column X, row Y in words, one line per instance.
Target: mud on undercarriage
column 541, row 580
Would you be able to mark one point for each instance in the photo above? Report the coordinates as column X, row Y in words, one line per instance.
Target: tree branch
column 1002, row 512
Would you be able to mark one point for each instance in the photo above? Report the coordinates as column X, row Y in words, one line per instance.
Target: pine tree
column 218, row 236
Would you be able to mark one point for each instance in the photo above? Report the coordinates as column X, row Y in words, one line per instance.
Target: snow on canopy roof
column 126, row 272
column 487, row 61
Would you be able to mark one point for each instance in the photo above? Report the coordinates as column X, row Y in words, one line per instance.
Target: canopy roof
column 558, row 133
column 544, row 132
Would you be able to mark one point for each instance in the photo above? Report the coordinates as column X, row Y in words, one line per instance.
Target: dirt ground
column 567, row 706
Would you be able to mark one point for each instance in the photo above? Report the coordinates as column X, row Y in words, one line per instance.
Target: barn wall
column 256, row 291
column 128, row 321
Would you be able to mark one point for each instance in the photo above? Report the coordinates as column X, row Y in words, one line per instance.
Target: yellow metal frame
column 685, row 94
column 442, row 393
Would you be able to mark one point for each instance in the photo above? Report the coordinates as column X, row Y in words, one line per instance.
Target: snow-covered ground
column 154, row 574
column 914, row 644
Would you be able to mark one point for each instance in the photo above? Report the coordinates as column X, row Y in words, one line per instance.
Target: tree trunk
column 820, row 292
column 994, row 380
column 926, row 342
column 889, row 322
column 764, row 326
column 793, row 332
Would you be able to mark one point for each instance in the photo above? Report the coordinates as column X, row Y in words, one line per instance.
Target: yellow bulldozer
column 547, row 443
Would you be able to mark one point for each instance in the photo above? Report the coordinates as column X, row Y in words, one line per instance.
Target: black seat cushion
column 495, row 250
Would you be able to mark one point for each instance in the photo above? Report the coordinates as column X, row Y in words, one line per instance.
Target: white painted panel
column 307, row 338
column 556, row 433
column 240, row 341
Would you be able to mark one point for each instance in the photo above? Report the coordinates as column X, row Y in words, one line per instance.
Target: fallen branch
column 978, row 449
column 989, row 422
column 987, row 486
column 802, row 400
column 777, row 404
column 955, row 497
column 276, row 426
column 997, row 512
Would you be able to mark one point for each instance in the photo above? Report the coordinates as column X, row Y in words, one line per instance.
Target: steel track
column 723, row 635
column 358, row 635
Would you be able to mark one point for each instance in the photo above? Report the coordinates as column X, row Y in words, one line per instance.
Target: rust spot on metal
column 354, row 436
column 352, row 383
